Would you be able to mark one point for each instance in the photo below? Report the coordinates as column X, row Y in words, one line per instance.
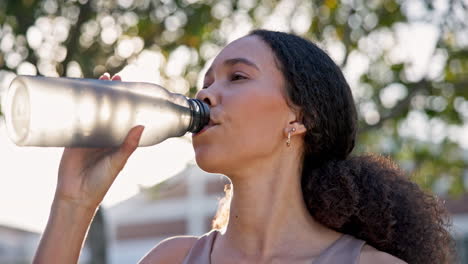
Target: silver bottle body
column 68, row 112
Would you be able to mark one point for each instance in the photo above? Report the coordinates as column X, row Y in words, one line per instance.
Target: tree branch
column 73, row 41
column 400, row 107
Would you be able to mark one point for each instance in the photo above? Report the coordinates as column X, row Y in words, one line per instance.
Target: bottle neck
column 200, row 115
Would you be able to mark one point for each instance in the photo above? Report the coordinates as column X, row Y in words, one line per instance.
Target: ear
column 294, row 126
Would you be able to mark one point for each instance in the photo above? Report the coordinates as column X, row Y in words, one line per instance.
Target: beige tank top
column 345, row 250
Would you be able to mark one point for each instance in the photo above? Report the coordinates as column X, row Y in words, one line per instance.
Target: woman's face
column 249, row 113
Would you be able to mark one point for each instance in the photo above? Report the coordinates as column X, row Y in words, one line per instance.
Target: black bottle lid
column 200, row 115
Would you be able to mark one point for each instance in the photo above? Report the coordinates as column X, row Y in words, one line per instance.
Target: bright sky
column 29, row 177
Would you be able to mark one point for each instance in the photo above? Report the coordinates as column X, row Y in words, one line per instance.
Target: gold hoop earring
column 288, row 141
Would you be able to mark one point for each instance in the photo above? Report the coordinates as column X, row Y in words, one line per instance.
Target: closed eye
column 234, row 77
column 237, row 77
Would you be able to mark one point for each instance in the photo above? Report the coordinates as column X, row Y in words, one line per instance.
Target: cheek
column 261, row 117
column 260, row 127
column 252, row 129
column 255, row 127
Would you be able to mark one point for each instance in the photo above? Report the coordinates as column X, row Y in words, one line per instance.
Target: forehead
column 249, row 47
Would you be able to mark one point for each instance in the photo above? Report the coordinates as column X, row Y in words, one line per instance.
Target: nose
column 207, row 97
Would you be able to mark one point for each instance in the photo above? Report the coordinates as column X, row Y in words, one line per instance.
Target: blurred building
column 17, row 246
column 183, row 205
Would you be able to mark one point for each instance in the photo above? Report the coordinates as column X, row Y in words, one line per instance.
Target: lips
column 208, row 126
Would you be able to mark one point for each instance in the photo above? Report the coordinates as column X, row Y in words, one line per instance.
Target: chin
column 209, row 162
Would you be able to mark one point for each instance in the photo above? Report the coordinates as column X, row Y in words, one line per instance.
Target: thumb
column 120, row 157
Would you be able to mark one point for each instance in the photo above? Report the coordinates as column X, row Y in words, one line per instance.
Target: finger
column 120, row 157
column 105, row 76
column 116, row 78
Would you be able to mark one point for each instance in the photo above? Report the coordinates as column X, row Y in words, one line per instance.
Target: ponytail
column 370, row 198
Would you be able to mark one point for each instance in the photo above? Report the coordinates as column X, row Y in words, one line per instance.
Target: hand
column 86, row 174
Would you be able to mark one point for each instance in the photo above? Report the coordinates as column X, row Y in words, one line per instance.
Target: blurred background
column 406, row 62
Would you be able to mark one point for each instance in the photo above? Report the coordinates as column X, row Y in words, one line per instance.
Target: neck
column 268, row 212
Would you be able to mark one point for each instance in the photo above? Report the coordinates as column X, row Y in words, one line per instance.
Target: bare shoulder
column 171, row 250
column 370, row 255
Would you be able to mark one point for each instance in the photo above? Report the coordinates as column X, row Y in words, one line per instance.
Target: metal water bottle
column 70, row 112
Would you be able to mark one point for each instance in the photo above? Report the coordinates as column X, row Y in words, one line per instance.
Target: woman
column 283, row 124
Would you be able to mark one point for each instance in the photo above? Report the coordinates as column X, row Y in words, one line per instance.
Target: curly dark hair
column 365, row 196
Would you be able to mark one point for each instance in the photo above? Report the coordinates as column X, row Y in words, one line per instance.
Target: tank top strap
column 346, row 249
column 201, row 250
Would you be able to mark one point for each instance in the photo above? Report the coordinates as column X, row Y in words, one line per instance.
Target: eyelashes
column 234, row 77
column 237, row 77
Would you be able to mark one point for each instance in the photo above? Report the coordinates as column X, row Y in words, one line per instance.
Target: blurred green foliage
column 413, row 107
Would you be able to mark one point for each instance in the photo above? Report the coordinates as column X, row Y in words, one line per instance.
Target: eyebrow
column 234, row 61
